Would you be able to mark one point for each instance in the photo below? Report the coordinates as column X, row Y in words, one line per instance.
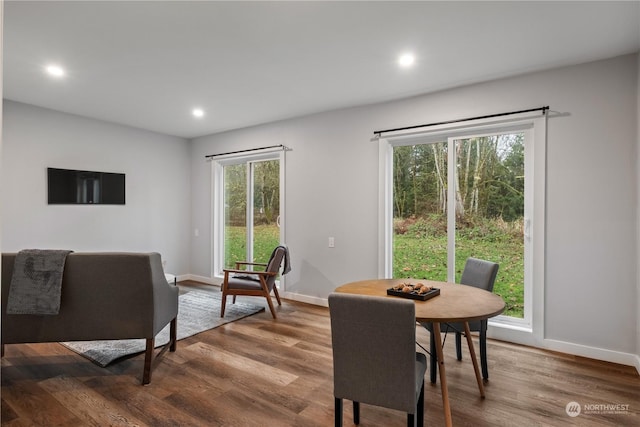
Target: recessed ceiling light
column 406, row 60
column 197, row 112
column 55, row 70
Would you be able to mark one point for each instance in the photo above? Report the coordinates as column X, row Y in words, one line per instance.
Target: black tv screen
column 76, row 187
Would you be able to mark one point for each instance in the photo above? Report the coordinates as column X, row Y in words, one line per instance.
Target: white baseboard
column 524, row 337
column 305, row 298
column 201, row 279
column 594, row 353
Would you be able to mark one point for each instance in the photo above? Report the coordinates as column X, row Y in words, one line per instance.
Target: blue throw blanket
column 36, row 284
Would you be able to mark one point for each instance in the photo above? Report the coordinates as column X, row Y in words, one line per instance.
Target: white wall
column 591, row 276
column 1, row 89
column 638, row 223
column 156, row 216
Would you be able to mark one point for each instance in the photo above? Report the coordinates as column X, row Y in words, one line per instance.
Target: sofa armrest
column 165, row 296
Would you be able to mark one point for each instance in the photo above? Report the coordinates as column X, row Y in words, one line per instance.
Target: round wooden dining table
column 455, row 303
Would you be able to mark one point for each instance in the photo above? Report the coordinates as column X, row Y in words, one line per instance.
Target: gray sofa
column 105, row 296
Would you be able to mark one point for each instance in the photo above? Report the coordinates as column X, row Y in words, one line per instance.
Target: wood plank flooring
column 264, row 372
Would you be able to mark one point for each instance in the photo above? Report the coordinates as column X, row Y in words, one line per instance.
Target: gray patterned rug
column 198, row 311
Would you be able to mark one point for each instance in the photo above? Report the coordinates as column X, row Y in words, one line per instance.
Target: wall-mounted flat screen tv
column 76, row 187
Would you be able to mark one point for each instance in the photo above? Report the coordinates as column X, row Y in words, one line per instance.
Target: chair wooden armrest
column 239, row 263
column 260, row 273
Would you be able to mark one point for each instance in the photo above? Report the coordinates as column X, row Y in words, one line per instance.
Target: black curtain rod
column 245, row 151
column 543, row 109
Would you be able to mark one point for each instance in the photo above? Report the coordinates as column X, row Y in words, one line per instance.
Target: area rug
column 197, row 312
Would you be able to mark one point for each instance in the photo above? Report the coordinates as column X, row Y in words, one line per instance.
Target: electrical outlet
column 332, row 242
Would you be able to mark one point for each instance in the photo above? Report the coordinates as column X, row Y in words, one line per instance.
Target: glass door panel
column 266, row 208
column 235, row 214
column 489, row 211
column 420, row 211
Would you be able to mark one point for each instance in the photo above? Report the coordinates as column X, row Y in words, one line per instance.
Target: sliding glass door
column 247, row 215
column 455, row 197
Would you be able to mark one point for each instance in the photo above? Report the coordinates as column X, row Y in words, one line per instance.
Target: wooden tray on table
column 414, row 293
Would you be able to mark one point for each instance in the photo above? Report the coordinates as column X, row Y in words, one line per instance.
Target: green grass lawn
column 426, row 258
column 266, row 238
column 419, row 256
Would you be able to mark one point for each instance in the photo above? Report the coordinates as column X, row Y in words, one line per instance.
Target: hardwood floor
column 264, row 372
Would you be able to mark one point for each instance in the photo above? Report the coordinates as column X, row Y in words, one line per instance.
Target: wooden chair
column 259, row 283
column 374, row 355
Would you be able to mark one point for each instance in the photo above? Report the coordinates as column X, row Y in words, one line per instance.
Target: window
column 248, row 202
column 455, row 192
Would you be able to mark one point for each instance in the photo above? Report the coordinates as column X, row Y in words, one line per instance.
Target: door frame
column 217, row 202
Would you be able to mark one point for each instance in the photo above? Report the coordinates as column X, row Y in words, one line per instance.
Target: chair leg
column 356, row 413
column 420, row 410
column 271, row 307
column 433, row 357
column 459, row 345
column 483, row 352
column 224, row 304
column 173, row 334
column 148, row 361
column 338, row 410
column 267, row 294
column 234, row 299
column 275, row 292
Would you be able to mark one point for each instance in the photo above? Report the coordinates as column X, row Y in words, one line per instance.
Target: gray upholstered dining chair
column 256, row 282
column 374, row 355
column 480, row 274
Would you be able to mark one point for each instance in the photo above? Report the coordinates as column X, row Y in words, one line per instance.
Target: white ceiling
column 149, row 63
